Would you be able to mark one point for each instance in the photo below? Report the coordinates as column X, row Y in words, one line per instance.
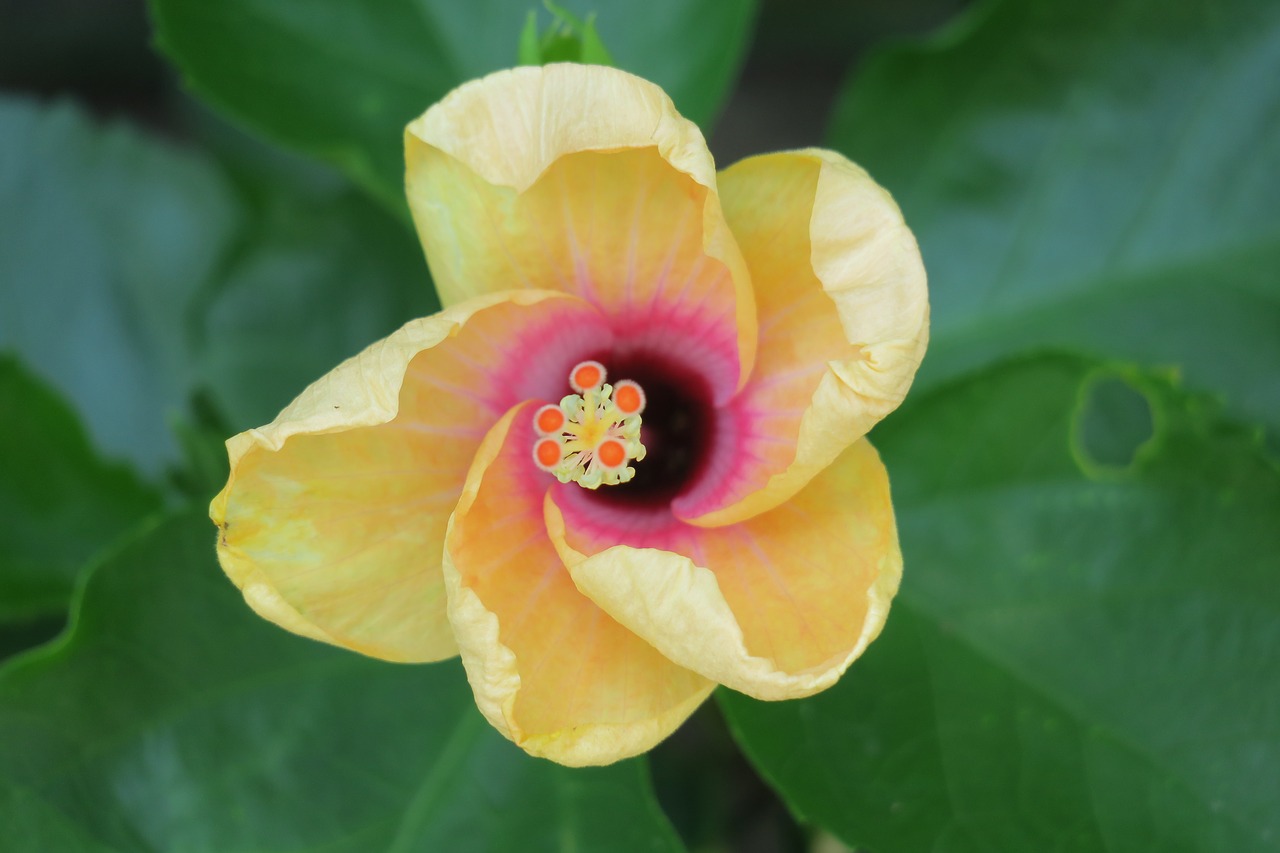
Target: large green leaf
column 319, row 276
column 104, row 242
column 60, row 503
column 1082, row 655
column 133, row 272
column 339, row 79
column 1101, row 175
column 172, row 718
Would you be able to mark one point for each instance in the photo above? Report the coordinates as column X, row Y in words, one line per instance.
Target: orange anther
column 549, row 419
column 587, row 375
column 628, row 397
column 547, row 453
column 611, row 453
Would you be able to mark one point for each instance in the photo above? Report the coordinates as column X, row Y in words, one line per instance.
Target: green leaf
column 27, row 634
column 568, row 39
column 105, row 240
column 339, row 79
column 172, row 718
column 60, row 502
column 317, row 277
column 529, row 47
column 1098, row 175
column 143, row 272
column 594, row 51
column 1081, row 655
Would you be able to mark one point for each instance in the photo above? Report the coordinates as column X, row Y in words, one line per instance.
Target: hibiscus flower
column 626, row 462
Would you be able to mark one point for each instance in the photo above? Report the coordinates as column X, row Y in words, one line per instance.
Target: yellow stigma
column 596, row 439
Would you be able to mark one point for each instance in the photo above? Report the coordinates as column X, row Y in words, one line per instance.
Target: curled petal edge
column 507, row 128
column 495, row 682
column 363, row 391
column 677, row 606
column 886, row 324
column 492, row 668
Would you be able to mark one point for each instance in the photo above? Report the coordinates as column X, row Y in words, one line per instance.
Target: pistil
column 590, row 436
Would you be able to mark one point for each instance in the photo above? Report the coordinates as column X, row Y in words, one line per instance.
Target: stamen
column 547, row 454
column 629, row 397
column 587, row 376
column 592, row 435
column 612, row 453
column 549, row 420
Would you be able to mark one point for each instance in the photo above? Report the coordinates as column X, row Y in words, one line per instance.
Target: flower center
column 591, row 436
column 679, row 432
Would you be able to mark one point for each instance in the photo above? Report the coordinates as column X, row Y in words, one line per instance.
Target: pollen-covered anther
column 629, row 397
column 548, row 453
column 611, row 453
column 549, row 420
column 587, row 376
column 591, row 436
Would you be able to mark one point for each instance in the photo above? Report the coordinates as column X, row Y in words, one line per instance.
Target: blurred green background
column 200, row 213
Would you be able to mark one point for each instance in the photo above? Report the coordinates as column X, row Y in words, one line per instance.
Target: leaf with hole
column 1098, row 175
column 1080, row 657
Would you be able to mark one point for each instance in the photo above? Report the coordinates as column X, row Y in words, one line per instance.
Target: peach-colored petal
column 584, row 179
column 844, row 321
column 332, row 522
column 549, row 668
column 777, row 606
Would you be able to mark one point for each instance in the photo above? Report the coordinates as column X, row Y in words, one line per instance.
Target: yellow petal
column 550, row 670
column 332, row 522
column 583, row 179
column 775, row 607
column 844, row 322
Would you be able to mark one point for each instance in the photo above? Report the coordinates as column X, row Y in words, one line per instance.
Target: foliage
column 340, row 81
column 1078, row 618
column 216, row 731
